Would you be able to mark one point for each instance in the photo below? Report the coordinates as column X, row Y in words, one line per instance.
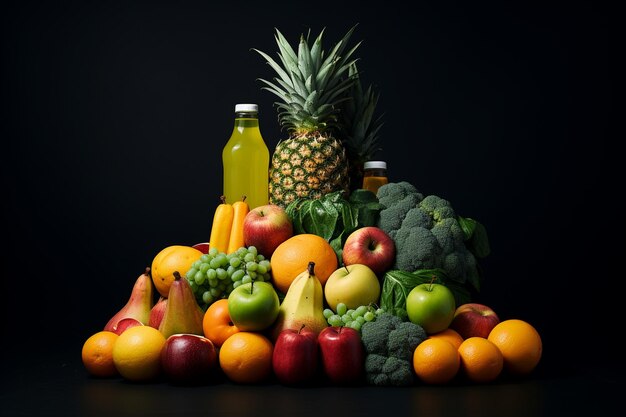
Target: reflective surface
column 56, row 386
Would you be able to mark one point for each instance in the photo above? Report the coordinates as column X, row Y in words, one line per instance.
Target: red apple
column 266, row 227
column 370, row 246
column 342, row 355
column 157, row 312
column 295, row 356
column 474, row 319
column 188, row 358
column 202, row 247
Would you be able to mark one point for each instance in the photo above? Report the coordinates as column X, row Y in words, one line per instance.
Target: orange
column 520, row 344
column 436, row 361
column 216, row 324
column 137, row 353
column 97, row 354
column 449, row 335
column 481, row 360
column 246, row 357
column 172, row 258
column 292, row 257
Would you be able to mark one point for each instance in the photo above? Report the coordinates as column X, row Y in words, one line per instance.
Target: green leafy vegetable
column 397, row 284
column 476, row 239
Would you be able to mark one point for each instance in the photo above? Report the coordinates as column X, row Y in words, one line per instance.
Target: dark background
column 114, row 115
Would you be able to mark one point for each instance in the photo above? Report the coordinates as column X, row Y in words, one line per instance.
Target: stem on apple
column 251, row 285
column 432, row 280
column 301, row 327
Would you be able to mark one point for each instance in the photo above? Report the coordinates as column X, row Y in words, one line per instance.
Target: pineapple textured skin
column 311, row 84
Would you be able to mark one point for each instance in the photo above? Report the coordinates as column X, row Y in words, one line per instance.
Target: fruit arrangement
column 327, row 283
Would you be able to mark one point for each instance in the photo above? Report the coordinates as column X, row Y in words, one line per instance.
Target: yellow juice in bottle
column 245, row 159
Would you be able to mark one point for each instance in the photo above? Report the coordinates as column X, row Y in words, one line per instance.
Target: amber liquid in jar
column 374, row 175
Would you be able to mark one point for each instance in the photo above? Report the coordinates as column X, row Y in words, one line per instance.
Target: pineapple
column 311, row 85
column 359, row 128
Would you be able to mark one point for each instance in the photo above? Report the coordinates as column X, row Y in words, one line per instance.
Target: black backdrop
column 114, row 115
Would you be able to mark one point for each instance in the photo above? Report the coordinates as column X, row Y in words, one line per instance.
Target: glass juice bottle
column 374, row 175
column 245, row 159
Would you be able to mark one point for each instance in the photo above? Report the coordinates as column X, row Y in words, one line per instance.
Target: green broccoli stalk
column 428, row 234
column 389, row 345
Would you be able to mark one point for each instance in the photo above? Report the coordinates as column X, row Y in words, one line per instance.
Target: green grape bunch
column 216, row 273
column 353, row 317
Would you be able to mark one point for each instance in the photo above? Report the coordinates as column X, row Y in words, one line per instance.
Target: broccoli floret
column 389, row 344
column 449, row 235
column 416, row 217
column 388, row 195
column 454, row 263
column 398, row 372
column 374, row 333
column 404, row 339
column 427, row 235
column 416, row 248
column 437, row 207
column 385, row 371
column 374, row 363
column 391, row 217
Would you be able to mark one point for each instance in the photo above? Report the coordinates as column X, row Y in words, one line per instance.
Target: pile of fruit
column 327, row 283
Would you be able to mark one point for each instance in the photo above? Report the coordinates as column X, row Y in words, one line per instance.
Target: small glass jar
column 374, row 175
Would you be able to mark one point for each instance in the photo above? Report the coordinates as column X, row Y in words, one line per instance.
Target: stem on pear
column 311, row 268
column 177, row 276
column 147, row 271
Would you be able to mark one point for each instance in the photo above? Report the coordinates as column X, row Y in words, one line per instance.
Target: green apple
column 355, row 285
column 253, row 306
column 432, row 306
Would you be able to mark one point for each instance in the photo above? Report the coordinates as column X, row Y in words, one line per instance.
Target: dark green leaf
column 366, row 207
column 295, row 210
column 349, row 219
column 337, row 245
column 362, row 196
column 369, row 214
column 473, row 277
column 319, row 220
column 476, row 239
column 467, row 225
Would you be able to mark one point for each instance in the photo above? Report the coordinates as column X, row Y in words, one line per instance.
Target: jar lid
column 246, row 107
column 375, row 164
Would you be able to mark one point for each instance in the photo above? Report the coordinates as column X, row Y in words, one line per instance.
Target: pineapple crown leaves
column 309, row 83
column 360, row 128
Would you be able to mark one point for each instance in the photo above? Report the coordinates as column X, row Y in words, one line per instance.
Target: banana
column 303, row 304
